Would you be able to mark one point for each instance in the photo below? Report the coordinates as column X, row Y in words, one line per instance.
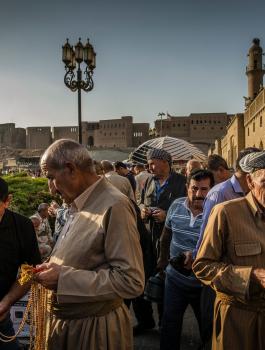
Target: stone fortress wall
column 199, row 129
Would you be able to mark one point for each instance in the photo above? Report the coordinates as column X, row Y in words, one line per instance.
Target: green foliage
column 27, row 193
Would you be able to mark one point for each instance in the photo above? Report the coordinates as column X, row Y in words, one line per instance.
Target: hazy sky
column 153, row 56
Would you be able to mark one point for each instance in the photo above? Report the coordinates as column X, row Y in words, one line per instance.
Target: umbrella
column 180, row 150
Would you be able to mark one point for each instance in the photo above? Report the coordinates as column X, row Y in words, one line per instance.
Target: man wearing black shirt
column 122, row 170
column 18, row 245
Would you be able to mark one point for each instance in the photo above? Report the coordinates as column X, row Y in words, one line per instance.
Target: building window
column 260, row 121
column 253, row 127
column 221, row 128
column 248, row 131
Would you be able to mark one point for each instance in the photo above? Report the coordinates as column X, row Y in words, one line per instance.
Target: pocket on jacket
column 247, row 248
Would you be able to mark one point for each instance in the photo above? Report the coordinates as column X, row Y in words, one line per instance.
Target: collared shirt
column 75, row 207
column 185, row 229
column 222, row 192
column 160, row 187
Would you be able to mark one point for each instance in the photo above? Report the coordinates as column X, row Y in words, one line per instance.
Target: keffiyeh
column 252, row 162
column 157, row 153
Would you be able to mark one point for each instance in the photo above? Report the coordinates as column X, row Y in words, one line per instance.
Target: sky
column 153, row 56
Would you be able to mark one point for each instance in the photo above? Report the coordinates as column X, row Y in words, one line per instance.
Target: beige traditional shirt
column 121, row 183
column 101, row 261
column 234, row 244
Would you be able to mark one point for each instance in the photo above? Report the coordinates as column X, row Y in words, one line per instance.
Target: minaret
column 254, row 71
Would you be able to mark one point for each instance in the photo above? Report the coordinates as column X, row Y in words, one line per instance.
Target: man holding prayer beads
column 97, row 260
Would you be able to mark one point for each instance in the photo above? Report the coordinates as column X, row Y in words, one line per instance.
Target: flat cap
column 158, row 153
column 252, row 162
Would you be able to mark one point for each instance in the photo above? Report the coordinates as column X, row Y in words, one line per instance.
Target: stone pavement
column 190, row 335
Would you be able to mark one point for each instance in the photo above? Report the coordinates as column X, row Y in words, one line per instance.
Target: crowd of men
column 121, row 228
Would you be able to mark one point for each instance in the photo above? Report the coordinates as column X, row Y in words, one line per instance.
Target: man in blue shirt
column 178, row 240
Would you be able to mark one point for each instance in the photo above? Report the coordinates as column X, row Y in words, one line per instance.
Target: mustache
column 198, row 198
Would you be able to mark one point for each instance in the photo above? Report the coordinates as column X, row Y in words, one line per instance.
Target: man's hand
column 4, row 310
column 188, row 260
column 145, row 213
column 159, row 215
column 48, row 275
column 258, row 275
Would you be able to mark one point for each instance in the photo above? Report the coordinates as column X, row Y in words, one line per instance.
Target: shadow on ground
column 190, row 335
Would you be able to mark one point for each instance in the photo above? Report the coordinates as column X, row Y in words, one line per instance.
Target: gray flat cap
column 158, row 153
column 252, row 162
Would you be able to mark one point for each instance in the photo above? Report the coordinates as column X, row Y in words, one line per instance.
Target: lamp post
column 76, row 55
column 161, row 114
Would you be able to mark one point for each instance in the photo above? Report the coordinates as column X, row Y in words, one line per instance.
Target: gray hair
column 43, row 206
column 107, row 166
column 64, row 151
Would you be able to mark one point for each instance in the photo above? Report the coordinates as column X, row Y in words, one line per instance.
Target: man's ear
column 8, row 200
column 70, row 168
column 249, row 182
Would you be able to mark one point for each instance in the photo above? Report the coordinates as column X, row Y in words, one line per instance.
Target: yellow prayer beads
column 38, row 312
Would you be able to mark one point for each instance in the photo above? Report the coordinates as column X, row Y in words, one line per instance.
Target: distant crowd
column 143, row 235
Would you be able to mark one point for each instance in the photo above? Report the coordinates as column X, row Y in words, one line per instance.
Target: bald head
column 63, row 152
column 191, row 165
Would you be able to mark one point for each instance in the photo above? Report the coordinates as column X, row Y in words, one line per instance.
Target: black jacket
column 175, row 188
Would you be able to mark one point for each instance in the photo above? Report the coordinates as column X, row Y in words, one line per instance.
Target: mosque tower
column 254, row 71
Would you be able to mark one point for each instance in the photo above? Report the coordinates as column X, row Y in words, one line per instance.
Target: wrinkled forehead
column 200, row 183
column 46, row 169
column 259, row 174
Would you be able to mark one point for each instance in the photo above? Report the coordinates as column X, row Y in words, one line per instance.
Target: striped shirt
column 185, row 231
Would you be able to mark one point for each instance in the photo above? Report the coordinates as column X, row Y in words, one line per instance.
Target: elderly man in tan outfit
column 231, row 260
column 97, row 260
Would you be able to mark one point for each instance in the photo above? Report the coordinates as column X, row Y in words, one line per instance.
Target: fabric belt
column 257, row 305
column 84, row 310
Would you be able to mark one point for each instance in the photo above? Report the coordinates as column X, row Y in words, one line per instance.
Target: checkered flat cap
column 158, row 153
column 252, row 162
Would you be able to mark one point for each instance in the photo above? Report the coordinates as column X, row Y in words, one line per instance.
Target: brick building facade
column 200, row 129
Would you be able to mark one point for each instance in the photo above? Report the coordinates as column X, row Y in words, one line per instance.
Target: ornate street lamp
column 72, row 57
